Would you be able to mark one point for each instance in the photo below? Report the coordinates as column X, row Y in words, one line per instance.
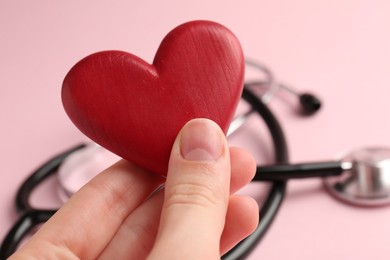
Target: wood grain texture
column 136, row 109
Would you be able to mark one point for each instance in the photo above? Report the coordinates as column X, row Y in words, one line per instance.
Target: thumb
column 196, row 194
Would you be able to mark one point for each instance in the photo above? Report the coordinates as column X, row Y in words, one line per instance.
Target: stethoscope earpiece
column 310, row 104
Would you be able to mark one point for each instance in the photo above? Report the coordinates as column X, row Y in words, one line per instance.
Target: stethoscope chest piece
column 367, row 181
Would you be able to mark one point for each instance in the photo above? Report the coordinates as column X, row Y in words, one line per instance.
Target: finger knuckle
column 191, row 194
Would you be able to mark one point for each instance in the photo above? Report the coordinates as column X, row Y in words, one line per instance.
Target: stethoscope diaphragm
column 367, row 182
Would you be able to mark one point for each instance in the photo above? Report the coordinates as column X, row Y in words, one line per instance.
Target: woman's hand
column 118, row 215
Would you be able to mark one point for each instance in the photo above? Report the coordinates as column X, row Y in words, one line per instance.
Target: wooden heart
column 136, row 109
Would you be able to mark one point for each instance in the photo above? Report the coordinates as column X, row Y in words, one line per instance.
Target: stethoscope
column 360, row 177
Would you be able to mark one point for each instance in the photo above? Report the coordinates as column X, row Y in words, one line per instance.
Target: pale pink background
column 337, row 49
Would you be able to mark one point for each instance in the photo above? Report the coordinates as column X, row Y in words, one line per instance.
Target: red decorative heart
column 136, row 110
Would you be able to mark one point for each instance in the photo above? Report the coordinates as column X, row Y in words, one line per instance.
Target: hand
column 118, row 215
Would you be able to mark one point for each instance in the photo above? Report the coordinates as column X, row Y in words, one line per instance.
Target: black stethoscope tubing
column 276, row 194
column 32, row 217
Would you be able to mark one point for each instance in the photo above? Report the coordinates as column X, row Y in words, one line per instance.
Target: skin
column 118, row 215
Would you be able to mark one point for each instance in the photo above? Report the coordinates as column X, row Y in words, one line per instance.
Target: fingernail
column 201, row 140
